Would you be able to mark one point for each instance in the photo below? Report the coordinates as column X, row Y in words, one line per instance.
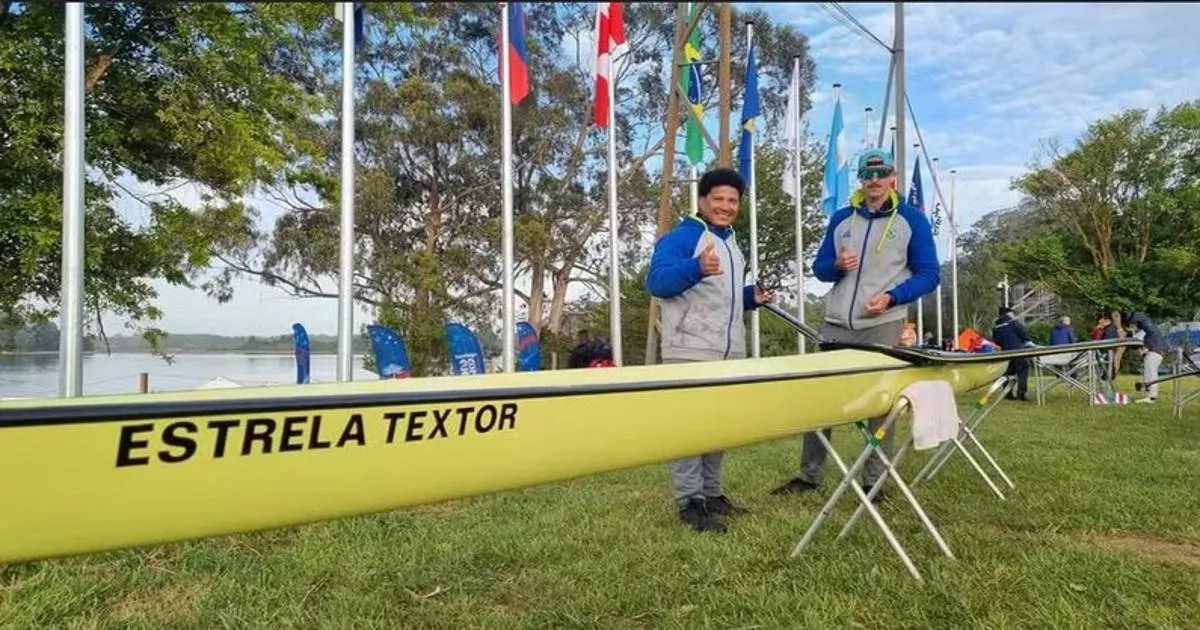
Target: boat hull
column 101, row 473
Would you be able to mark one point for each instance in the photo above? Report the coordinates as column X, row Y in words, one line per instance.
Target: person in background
column 581, row 354
column 698, row 273
column 1009, row 334
column 1154, row 346
column 880, row 255
column 1104, row 329
column 1062, row 333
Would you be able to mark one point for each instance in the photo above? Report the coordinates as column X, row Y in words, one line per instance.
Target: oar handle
column 803, row 328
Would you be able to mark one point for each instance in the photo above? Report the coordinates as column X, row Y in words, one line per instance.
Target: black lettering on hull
column 181, row 441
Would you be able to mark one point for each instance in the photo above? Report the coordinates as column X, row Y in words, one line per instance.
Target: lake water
column 36, row 375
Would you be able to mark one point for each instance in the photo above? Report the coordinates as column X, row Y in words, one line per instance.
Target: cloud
column 989, row 82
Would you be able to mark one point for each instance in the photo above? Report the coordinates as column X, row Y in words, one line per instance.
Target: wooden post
column 144, row 382
column 725, row 87
column 668, row 166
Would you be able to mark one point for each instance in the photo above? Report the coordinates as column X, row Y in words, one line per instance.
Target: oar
column 808, row 331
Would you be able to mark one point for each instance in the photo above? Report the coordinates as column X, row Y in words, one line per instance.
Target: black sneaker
column 722, row 506
column 697, row 516
column 879, row 496
column 795, row 486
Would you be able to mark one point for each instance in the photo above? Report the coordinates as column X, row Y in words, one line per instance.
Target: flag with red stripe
column 610, row 40
column 517, row 65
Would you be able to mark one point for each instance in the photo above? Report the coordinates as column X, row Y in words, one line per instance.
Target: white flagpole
column 954, row 259
column 920, row 300
column 755, row 330
column 614, row 271
column 867, row 129
column 345, row 364
column 793, row 128
column 509, row 326
column 694, row 185
column 70, row 349
column 695, row 191
column 934, row 167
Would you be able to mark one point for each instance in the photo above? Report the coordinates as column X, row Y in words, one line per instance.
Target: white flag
column 791, row 134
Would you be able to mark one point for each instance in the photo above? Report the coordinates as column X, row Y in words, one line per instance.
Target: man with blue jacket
column 1010, row 334
column 698, row 274
column 1062, row 333
column 880, row 256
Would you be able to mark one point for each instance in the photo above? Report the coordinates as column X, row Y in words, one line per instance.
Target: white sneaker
column 1146, row 400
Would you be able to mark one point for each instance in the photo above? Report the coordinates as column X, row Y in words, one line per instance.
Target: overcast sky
column 987, row 82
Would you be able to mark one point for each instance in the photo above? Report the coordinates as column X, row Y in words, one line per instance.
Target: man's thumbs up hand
column 709, row 263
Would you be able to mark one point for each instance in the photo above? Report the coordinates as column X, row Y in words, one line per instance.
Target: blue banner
column 391, row 355
column 303, row 362
column 529, row 350
column 466, row 355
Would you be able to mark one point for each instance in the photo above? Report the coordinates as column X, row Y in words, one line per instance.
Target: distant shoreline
column 280, row 353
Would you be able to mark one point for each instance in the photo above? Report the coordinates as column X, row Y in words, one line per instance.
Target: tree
column 427, row 192
column 176, row 94
column 1118, row 214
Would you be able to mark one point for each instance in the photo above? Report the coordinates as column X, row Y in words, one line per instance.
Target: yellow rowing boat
column 99, row 473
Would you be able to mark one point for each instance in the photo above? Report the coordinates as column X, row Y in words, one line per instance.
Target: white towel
column 935, row 414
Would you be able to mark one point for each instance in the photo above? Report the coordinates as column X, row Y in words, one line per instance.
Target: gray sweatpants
column 698, row 476
column 1151, row 361
column 812, row 457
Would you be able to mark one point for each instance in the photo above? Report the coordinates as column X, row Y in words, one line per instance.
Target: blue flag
column 391, row 355
column 466, row 355
column 749, row 113
column 529, row 351
column 916, row 196
column 303, row 361
column 835, row 189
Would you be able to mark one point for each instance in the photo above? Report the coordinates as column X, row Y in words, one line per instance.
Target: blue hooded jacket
column 896, row 255
column 701, row 315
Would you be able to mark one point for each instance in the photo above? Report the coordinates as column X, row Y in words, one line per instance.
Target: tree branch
column 297, row 290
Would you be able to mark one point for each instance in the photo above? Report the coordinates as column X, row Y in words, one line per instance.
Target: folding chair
column 1076, row 369
column 849, row 480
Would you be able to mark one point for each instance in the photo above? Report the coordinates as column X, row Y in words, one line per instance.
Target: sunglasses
column 877, row 172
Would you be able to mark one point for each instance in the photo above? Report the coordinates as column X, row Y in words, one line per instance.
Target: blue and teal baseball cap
column 875, row 158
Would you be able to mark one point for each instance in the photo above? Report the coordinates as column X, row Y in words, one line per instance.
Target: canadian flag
column 610, row 40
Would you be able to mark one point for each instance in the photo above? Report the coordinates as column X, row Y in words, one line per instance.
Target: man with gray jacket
column 880, row 256
column 698, row 274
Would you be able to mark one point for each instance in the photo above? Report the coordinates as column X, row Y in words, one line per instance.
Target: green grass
column 1102, row 531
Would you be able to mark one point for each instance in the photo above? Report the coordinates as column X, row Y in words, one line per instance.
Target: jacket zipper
column 862, row 261
column 732, row 302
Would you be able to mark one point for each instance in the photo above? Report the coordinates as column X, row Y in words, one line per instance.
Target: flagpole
column 954, row 258
column 694, row 184
column 345, row 371
column 793, row 118
column 509, row 305
column 867, row 128
column 614, row 272
column 70, row 349
column 756, row 340
column 934, row 167
column 920, row 300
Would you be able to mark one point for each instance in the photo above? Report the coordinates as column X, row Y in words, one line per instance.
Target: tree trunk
column 537, row 287
column 558, row 303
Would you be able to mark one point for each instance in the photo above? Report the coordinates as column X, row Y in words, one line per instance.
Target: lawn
column 1102, row 531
